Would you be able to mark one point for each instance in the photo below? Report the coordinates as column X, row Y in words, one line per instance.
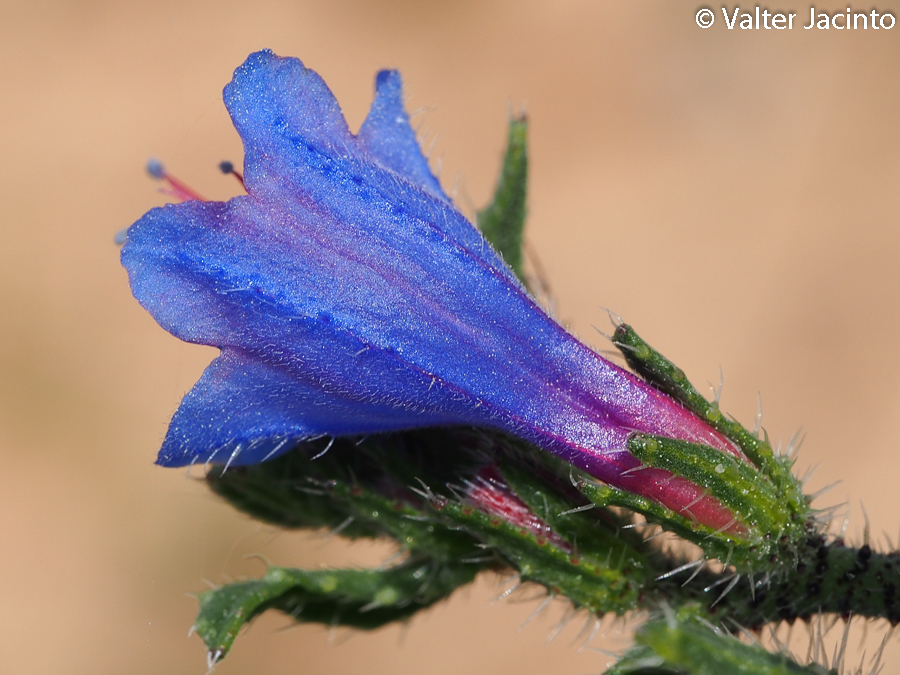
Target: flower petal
column 404, row 320
column 349, row 296
column 389, row 139
column 244, row 411
column 275, row 100
column 291, row 154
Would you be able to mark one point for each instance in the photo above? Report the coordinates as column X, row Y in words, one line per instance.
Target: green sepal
column 503, row 220
column 715, row 544
column 662, row 373
column 686, row 646
column 603, row 496
column 364, row 599
column 752, row 499
column 344, row 491
column 270, row 492
column 613, row 584
column 771, row 501
column 357, row 512
column 592, row 533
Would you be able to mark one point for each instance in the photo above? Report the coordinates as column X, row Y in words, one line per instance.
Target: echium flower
column 349, row 296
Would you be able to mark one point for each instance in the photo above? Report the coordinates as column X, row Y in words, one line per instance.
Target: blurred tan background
column 733, row 194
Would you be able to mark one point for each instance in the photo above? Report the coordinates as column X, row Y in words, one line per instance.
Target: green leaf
column 356, row 489
column 503, row 220
column 364, row 599
column 688, row 647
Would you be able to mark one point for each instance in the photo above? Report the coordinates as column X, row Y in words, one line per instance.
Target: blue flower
column 349, row 296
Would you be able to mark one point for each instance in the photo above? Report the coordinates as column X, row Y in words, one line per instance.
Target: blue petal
column 273, row 96
column 401, row 322
column 349, row 297
column 389, row 139
column 298, row 146
column 244, row 411
column 337, row 329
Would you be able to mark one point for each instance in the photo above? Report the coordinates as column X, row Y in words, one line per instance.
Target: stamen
column 175, row 188
column 227, row 167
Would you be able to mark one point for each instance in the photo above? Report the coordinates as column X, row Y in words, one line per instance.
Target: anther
column 227, row 167
column 175, row 188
